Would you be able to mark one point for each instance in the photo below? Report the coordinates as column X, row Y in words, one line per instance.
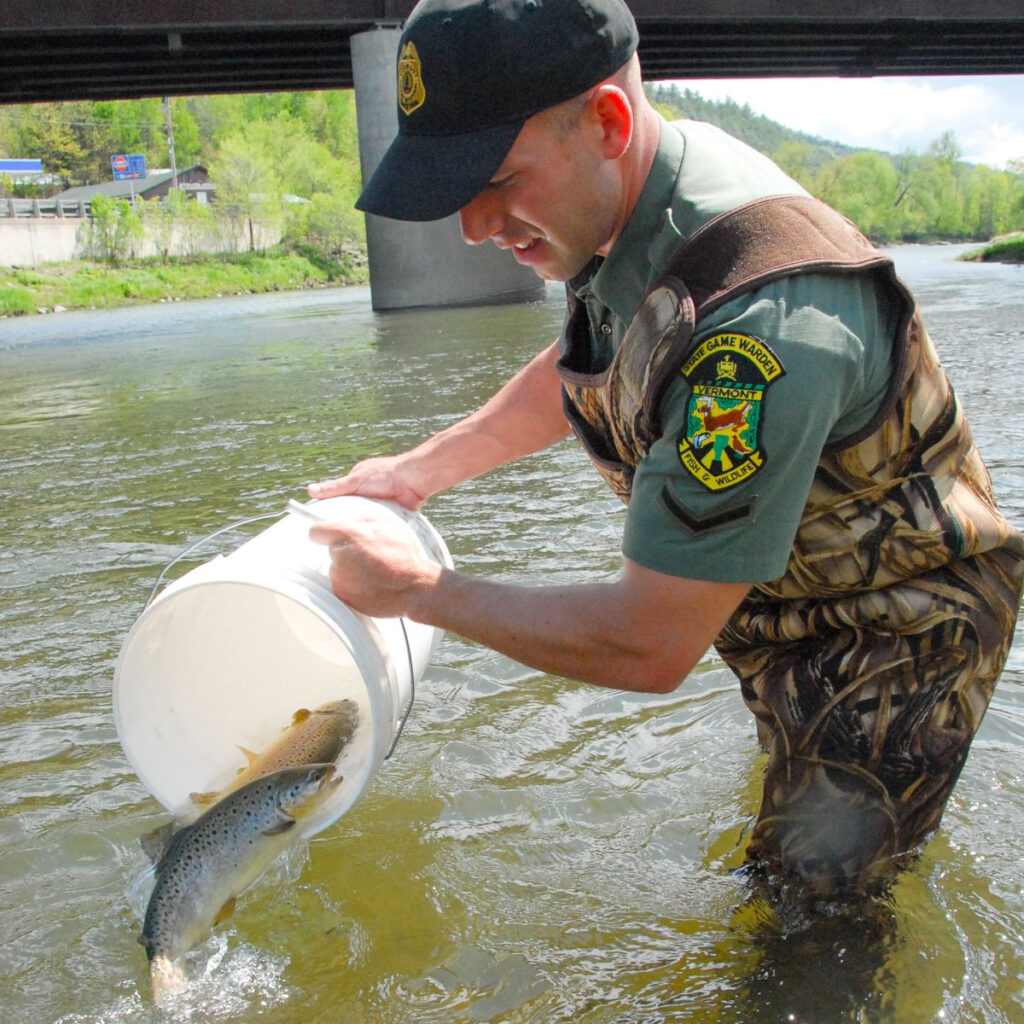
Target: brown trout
column 313, row 737
column 208, row 863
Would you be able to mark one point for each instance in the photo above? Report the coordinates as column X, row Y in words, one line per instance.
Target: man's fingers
column 336, row 534
column 327, row 488
column 328, row 534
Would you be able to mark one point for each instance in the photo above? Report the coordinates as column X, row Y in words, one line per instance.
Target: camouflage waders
column 869, row 664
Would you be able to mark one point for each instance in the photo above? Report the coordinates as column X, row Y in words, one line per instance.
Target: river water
column 536, row 850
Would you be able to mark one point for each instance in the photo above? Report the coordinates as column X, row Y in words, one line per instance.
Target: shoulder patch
column 728, row 376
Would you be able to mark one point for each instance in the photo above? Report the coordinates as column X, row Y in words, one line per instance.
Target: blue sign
column 21, row 166
column 128, row 165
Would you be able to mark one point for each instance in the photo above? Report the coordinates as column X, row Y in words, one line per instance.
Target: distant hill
column 755, row 130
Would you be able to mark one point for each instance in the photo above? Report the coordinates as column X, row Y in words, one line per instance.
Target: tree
column 108, row 127
column 248, row 185
column 113, row 230
column 988, row 202
column 44, row 132
column 862, row 187
column 796, row 159
column 188, row 143
column 161, row 220
column 943, row 178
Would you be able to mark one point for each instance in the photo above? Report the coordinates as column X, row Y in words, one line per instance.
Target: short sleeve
column 770, row 379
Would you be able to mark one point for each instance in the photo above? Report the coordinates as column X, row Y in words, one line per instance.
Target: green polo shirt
column 810, row 352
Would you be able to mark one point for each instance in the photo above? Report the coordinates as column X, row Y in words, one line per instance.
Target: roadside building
column 193, row 181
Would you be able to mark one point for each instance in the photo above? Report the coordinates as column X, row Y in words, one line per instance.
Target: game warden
column 750, row 377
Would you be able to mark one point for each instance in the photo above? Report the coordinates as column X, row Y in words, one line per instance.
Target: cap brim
column 427, row 177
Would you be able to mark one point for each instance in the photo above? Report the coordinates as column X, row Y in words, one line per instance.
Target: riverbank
column 1007, row 249
column 84, row 285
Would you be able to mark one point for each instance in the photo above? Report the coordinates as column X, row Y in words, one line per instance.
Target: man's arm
column 523, row 417
column 644, row 631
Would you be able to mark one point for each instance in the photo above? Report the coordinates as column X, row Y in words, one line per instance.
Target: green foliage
column 286, row 165
column 16, row 300
column 114, row 230
column 160, row 220
column 862, row 187
column 755, row 130
column 85, row 285
column 907, row 197
column 248, row 185
column 328, row 223
column 1002, row 250
column 308, row 140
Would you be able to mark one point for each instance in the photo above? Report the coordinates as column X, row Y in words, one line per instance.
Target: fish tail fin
column 167, row 980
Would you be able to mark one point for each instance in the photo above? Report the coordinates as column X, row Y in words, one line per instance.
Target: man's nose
column 480, row 219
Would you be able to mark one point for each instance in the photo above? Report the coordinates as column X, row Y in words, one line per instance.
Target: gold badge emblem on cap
column 411, row 93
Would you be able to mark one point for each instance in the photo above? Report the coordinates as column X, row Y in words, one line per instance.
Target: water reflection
column 536, row 850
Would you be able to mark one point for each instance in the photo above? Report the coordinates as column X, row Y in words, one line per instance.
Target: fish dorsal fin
column 250, row 756
column 301, row 715
column 226, row 911
column 282, row 824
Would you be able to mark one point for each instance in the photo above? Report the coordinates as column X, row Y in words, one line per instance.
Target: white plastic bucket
column 224, row 656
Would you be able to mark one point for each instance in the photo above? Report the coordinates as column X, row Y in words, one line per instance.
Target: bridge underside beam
column 104, row 49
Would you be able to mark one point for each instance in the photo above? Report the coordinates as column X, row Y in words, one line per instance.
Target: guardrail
column 43, row 208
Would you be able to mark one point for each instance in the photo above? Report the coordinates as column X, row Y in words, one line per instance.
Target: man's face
column 555, row 199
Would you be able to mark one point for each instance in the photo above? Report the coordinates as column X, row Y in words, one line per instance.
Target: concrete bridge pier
column 420, row 264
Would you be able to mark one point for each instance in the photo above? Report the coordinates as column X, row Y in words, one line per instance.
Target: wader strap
column 764, row 240
column 744, row 249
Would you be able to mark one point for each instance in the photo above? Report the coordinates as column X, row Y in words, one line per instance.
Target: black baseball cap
column 470, row 73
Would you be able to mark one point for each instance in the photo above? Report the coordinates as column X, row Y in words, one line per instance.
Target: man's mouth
column 523, row 250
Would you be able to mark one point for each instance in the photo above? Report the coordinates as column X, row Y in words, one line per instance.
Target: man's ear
column 611, row 109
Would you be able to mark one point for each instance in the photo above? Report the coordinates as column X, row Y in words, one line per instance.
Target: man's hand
column 387, row 477
column 376, row 568
column 523, row 417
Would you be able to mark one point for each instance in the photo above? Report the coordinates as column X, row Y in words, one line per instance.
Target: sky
column 984, row 112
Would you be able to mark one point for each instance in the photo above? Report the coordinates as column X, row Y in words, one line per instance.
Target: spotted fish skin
column 313, row 737
column 211, row 861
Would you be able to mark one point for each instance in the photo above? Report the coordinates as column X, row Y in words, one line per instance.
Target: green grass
column 82, row 285
column 1002, row 250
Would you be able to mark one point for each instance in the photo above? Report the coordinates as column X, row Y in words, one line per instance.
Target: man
column 749, row 376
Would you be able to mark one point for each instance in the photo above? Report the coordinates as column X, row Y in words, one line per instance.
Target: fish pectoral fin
column 156, row 842
column 282, row 824
column 203, row 799
column 225, row 911
column 301, row 715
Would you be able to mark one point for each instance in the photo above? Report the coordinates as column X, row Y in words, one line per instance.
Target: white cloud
column 985, row 113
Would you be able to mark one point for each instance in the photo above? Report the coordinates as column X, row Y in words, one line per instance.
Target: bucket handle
column 199, row 543
column 412, row 691
column 293, row 506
